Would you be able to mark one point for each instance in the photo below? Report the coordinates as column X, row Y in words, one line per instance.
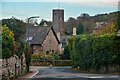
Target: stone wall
column 36, row 49
column 51, row 43
column 36, row 62
column 13, row 66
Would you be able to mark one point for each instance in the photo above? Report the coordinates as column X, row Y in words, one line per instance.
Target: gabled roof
column 64, row 38
column 39, row 34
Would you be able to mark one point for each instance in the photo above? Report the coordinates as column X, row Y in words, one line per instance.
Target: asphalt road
column 65, row 73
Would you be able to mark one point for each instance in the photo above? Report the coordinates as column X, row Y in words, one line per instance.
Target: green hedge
column 94, row 51
column 62, row 62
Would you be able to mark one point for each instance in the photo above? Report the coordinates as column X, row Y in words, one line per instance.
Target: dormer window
column 30, row 38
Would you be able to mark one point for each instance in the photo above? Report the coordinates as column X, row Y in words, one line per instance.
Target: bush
column 56, row 56
column 66, row 53
column 49, row 57
column 94, row 51
column 6, row 53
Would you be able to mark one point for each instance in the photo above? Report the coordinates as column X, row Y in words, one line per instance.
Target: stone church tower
column 58, row 21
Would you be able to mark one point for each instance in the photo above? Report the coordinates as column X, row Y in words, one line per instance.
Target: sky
column 43, row 9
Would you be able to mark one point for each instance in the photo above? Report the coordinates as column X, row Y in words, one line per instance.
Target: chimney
column 74, row 30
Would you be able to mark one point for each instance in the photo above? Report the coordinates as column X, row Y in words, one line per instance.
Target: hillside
column 89, row 22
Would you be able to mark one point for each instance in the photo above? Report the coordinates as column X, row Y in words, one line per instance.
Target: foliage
column 37, row 56
column 8, row 40
column 80, row 29
column 110, row 28
column 28, row 56
column 18, row 27
column 66, row 52
column 42, row 56
column 7, row 37
column 62, row 63
column 6, row 53
column 118, row 20
column 19, row 48
column 94, row 51
column 90, row 21
column 49, row 23
column 42, row 22
column 55, row 56
column 68, row 26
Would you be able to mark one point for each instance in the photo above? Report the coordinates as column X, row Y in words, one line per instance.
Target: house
column 64, row 40
column 43, row 40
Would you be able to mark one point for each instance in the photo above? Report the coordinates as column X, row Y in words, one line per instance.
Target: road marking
column 34, row 74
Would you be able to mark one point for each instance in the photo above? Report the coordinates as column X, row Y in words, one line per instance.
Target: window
column 52, row 51
column 47, row 52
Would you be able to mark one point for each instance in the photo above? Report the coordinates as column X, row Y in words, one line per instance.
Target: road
column 65, row 73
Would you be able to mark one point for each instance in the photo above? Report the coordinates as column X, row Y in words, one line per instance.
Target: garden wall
column 36, row 62
column 13, row 66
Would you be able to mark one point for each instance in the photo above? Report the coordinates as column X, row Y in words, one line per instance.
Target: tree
column 66, row 52
column 42, row 22
column 17, row 26
column 118, row 20
column 8, row 42
column 68, row 26
column 110, row 28
column 80, row 29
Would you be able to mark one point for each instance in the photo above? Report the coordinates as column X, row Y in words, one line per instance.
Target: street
column 65, row 73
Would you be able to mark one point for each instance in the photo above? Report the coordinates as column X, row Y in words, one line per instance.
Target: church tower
column 58, row 21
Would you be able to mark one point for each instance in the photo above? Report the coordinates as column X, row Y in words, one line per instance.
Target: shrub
column 6, row 53
column 66, row 52
column 94, row 51
column 56, row 56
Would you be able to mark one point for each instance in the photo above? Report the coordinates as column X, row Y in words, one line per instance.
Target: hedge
column 93, row 51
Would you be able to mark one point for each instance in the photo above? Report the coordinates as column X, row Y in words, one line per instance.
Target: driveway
column 65, row 73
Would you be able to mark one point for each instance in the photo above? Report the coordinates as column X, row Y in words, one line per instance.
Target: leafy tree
column 42, row 22
column 17, row 26
column 110, row 28
column 68, row 26
column 49, row 23
column 118, row 20
column 80, row 29
column 8, row 40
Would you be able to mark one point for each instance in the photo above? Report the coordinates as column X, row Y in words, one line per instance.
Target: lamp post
column 28, row 42
column 28, row 29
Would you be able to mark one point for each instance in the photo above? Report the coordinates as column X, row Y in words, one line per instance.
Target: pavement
column 33, row 71
column 64, row 73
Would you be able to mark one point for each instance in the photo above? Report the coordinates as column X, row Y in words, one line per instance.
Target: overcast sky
column 23, row 9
